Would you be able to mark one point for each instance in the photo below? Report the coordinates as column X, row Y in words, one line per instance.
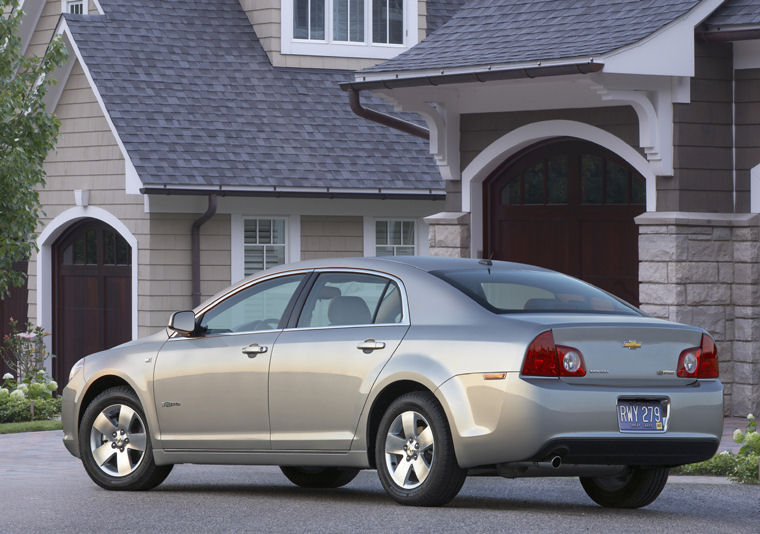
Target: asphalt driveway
column 44, row 489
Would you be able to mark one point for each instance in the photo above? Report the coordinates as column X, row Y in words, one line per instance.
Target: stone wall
column 704, row 269
column 449, row 234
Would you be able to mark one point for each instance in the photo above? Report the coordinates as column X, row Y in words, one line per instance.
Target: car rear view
column 602, row 391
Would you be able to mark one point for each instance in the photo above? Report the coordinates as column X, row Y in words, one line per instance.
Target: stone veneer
column 704, row 269
column 449, row 234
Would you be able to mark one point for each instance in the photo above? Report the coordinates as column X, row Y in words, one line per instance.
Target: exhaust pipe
column 554, row 467
column 554, row 463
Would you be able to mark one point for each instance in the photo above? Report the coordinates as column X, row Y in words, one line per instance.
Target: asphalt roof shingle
column 497, row 32
column 735, row 12
column 196, row 102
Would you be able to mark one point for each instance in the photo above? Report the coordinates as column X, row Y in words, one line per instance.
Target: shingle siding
column 45, row 27
column 331, row 236
column 702, row 137
column 747, row 87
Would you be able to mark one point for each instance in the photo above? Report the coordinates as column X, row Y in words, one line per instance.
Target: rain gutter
column 195, row 235
column 731, row 35
column 274, row 192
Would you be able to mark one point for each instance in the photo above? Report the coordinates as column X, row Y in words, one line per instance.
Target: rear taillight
column 699, row 362
column 544, row 358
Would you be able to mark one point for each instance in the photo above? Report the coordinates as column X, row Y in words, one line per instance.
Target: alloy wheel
column 409, row 449
column 118, row 440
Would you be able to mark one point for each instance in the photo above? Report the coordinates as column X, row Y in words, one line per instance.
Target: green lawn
column 29, row 426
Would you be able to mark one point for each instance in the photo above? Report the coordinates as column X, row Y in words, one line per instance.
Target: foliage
column 24, row 350
column 27, row 133
column 32, row 399
column 742, row 467
column 30, row 426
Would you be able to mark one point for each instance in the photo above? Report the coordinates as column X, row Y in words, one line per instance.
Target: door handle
column 253, row 349
column 368, row 345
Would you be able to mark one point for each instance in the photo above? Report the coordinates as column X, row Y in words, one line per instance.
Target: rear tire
column 639, row 487
column 319, row 477
column 414, row 452
column 114, row 441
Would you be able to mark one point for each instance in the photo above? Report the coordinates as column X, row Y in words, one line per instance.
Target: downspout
column 195, row 235
column 382, row 118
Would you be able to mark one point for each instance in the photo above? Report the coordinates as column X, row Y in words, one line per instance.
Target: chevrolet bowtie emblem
column 632, row 345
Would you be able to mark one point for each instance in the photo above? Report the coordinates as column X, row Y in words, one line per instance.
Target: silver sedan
column 426, row 369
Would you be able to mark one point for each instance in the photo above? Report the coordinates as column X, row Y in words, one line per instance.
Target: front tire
column 414, row 452
column 319, row 477
column 639, row 487
column 115, row 443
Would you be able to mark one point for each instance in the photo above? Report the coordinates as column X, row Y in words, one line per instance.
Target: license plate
column 641, row 416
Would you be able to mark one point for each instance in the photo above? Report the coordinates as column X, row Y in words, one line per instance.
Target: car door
column 211, row 389
column 325, row 365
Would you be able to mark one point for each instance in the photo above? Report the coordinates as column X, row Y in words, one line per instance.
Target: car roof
column 396, row 263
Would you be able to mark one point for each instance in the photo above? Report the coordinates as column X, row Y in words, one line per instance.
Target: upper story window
column 75, row 7
column 349, row 28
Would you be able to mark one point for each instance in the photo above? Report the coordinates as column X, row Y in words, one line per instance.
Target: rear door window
column 349, row 298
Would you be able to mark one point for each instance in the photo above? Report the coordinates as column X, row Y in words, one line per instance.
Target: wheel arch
column 98, row 386
column 380, row 404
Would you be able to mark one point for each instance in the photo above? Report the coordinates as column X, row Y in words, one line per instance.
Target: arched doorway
column 92, row 279
column 567, row 205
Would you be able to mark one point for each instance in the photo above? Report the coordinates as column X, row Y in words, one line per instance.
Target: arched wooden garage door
column 568, row 205
column 92, row 293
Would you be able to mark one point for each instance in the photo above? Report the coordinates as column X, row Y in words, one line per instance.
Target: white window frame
column 66, row 5
column 366, row 49
column 421, row 242
column 237, row 240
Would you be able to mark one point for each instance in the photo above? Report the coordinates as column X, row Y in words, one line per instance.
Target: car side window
column 259, row 307
column 340, row 299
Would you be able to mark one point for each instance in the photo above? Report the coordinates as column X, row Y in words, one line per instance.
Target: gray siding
column 331, row 236
column 702, row 159
column 747, row 118
column 481, row 129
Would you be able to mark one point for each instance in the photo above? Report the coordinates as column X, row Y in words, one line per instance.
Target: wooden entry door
column 92, row 293
column 569, row 206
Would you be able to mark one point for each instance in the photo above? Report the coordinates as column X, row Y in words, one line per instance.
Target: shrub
column 30, row 400
column 741, row 467
column 18, row 410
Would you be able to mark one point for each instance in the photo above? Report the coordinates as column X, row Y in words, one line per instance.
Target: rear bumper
column 516, row 420
column 632, row 451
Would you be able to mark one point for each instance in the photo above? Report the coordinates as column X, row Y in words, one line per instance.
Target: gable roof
column 501, row 32
column 197, row 103
column 735, row 13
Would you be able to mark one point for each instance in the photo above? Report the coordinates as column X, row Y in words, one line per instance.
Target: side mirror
column 182, row 322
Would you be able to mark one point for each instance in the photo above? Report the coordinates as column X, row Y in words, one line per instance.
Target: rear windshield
column 533, row 292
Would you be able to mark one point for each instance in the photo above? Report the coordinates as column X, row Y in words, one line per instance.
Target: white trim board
column 51, row 233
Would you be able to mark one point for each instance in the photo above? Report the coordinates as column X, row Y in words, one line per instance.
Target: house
column 616, row 141
column 202, row 141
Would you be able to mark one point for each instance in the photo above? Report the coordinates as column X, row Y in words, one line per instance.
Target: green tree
column 27, row 133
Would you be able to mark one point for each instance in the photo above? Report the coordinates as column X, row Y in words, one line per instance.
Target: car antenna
column 488, row 263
